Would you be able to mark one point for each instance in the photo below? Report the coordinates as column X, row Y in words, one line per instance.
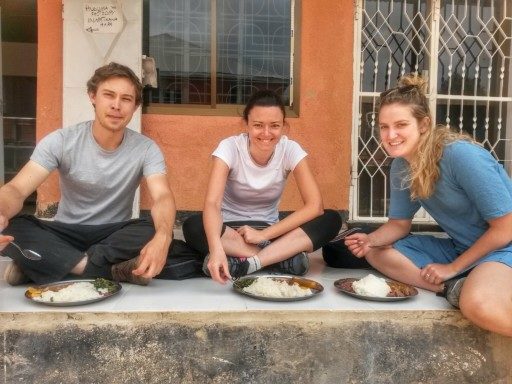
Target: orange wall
column 323, row 127
column 49, row 84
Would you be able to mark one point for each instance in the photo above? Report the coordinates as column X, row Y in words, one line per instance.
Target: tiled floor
column 202, row 294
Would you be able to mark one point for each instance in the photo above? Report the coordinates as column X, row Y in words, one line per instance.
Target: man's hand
column 4, row 241
column 153, row 256
column 251, row 235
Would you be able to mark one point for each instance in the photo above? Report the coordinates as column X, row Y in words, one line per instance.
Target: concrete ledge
column 251, row 347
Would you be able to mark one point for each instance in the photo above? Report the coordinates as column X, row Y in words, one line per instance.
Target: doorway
column 18, row 86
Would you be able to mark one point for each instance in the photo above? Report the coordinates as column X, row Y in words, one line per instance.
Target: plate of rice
column 375, row 288
column 73, row 292
column 277, row 288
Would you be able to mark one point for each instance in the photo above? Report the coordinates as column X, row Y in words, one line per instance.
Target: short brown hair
column 115, row 70
column 263, row 98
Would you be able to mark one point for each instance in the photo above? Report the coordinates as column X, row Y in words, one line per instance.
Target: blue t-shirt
column 472, row 188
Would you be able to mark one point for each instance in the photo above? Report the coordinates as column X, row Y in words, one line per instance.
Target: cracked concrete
column 251, row 347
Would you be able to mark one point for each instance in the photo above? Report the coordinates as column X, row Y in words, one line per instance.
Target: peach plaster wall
column 49, row 86
column 323, row 127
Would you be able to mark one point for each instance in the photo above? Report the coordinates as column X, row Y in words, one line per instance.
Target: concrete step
column 251, row 347
column 197, row 331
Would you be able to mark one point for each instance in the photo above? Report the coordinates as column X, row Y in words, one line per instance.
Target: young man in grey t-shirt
column 100, row 164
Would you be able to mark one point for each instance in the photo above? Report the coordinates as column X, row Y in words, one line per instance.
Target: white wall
column 85, row 51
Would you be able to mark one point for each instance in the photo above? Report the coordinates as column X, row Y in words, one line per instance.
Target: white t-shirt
column 253, row 191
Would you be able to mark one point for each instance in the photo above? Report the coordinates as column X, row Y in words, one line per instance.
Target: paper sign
column 102, row 18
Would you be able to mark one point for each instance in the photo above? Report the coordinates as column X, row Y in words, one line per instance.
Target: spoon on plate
column 28, row 253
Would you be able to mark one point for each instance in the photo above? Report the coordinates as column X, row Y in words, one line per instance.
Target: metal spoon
column 28, row 253
column 345, row 233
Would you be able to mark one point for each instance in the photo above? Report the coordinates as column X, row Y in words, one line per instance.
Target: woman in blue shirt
column 465, row 190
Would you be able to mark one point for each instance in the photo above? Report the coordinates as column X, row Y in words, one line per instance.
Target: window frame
column 217, row 109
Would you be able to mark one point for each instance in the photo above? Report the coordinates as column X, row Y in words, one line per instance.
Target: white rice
column 268, row 287
column 79, row 291
column 371, row 285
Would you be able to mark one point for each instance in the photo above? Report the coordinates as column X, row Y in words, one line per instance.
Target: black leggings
column 320, row 230
column 63, row 245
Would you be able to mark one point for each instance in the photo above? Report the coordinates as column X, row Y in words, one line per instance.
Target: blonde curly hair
column 424, row 166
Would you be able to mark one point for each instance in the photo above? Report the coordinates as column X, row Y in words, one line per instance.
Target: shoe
column 206, row 271
column 123, row 272
column 451, row 290
column 296, row 265
column 13, row 275
column 238, row 266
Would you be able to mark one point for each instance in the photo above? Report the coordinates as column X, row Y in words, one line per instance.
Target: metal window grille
column 463, row 47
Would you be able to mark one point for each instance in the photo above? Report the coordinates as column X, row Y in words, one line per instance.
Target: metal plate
column 241, row 283
column 400, row 291
column 62, row 284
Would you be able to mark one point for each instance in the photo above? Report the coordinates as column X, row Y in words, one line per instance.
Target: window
column 215, row 53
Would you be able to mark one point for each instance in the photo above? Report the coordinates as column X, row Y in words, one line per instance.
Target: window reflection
column 252, row 49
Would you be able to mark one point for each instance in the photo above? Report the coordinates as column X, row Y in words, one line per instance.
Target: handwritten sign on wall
column 102, row 18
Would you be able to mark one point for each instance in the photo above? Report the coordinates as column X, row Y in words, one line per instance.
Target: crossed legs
column 281, row 249
column 88, row 250
column 307, row 238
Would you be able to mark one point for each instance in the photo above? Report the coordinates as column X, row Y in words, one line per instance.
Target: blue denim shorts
column 427, row 249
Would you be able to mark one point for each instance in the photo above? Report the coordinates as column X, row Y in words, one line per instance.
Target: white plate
column 345, row 286
column 242, row 282
column 62, row 284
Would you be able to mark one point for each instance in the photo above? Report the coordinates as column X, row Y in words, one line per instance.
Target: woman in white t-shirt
column 239, row 230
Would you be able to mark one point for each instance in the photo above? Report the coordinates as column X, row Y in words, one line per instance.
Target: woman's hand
column 218, row 267
column 437, row 273
column 251, row 235
column 358, row 243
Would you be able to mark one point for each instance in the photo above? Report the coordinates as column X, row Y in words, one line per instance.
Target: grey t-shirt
column 97, row 186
